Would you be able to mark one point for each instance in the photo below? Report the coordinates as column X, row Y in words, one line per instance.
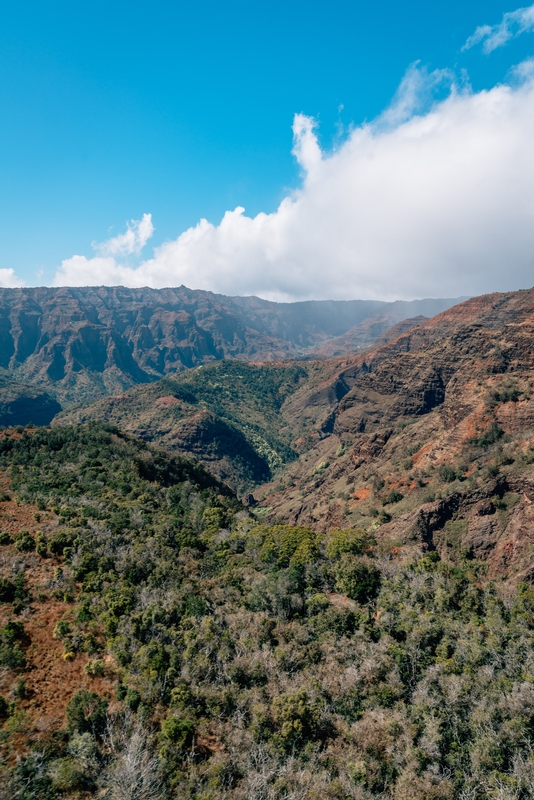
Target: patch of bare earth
column 50, row 679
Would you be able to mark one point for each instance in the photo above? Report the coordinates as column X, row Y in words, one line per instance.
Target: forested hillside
column 159, row 641
column 227, row 415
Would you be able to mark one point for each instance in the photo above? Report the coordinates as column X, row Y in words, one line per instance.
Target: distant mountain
column 83, row 344
column 378, row 328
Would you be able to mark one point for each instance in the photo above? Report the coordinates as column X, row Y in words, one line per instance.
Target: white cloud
column 523, row 72
column 420, row 203
column 414, row 94
column 493, row 36
column 138, row 233
column 9, row 280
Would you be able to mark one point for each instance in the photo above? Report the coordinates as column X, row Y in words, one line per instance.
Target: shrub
column 4, row 707
column 346, row 541
column 295, row 716
column 213, row 520
column 285, row 544
column 24, row 542
column 357, row 577
column 22, row 596
column 67, row 776
column 5, row 538
column 61, row 630
column 68, row 655
column 317, row 603
column 177, row 731
column 41, row 544
column 447, row 473
column 86, row 711
column 489, row 437
column 11, row 654
column 29, row 781
column 95, row 668
column 393, row 497
column 7, row 591
column 132, row 699
column 247, row 673
column 59, row 542
column 507, row 394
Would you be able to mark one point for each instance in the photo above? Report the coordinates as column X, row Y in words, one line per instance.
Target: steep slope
column 427, row 439
column 22, row 403
column 245, row 422
column 82, row 344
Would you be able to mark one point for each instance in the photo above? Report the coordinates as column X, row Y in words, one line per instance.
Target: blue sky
column 184, row 111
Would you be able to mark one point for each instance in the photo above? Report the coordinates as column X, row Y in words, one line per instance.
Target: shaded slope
column 22, row 403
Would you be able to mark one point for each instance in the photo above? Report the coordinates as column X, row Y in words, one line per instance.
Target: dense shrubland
column 227, row 414
column 255, row 661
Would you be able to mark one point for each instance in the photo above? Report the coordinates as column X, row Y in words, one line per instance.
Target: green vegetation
column 394, row 496
column 248, row 398
column 257, row 661
column 11, row 654
column 243, row 437
column 448, row 474
column 490, row 436
column 237, row 386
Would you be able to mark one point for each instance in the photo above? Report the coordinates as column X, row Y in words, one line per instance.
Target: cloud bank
column 431, row 199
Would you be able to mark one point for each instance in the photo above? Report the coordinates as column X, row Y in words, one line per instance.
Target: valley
column 278, row 578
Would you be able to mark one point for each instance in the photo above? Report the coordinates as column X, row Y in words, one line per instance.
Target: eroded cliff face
column 85, row 343
column 427, row 440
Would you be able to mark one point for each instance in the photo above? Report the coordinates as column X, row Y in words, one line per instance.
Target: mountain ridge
column 80, row 344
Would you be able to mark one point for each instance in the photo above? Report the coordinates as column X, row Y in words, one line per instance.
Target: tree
column 133, row 771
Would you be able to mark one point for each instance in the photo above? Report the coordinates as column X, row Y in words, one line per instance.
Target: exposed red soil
column 50, row 679
column 361, row 494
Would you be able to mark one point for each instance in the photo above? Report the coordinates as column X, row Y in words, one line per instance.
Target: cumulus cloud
column 9, row 280
column 132, row 242
column 493, row 36
column 435, row 202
